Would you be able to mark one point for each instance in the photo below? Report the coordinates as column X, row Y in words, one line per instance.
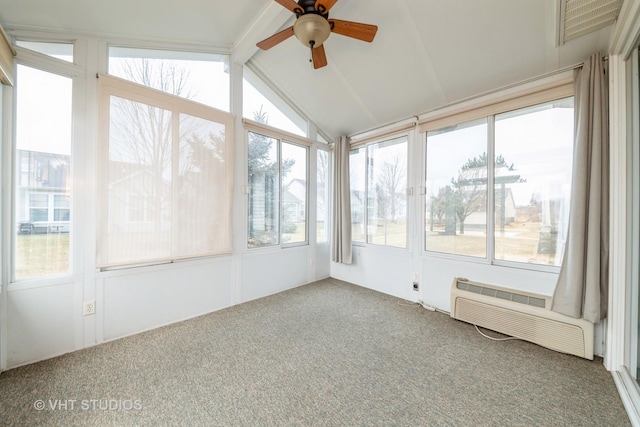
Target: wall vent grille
column 580, row 17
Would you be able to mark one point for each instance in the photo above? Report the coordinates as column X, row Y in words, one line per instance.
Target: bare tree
column 390, row 185
column 141, row 135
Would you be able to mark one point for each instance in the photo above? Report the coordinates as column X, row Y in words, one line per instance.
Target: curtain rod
column 605, row 58
column 471, row 98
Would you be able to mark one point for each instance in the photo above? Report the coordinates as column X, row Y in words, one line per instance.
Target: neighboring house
column 42, row 199
column 321, row 201
column 357, row 207
column 294, row 201
column 506, row 211
column 136, row 199
column 262, row 208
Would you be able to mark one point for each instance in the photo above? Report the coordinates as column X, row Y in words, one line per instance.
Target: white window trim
column 364, row 142
column 282, row 137
column 49, row 64
column 328, row 202
column 556, row 89
column 261, row 128
column 543, row 90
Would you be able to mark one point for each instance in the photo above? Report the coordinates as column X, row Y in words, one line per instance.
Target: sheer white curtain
column 581, row 291
column 341, row 242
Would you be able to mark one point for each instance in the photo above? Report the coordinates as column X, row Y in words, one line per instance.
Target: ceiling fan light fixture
column 312, row 28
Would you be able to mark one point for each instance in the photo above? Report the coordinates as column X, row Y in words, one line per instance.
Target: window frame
column 259, row 83
column 489, row 198
column 328, row 202
column 366, row 144
column 77, row 75
column 557, row 90
column 282, row 137
column 148, row 52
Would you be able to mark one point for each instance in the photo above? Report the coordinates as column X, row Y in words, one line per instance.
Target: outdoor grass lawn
column 41, row 254
column 518, row 242
column 47, row 254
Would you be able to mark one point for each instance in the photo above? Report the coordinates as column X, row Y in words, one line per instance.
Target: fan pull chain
column 311, row 43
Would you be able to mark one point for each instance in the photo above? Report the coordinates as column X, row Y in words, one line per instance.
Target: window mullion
column 175, row 181
column 367, row 171
column 280, row 191
column 491, row 192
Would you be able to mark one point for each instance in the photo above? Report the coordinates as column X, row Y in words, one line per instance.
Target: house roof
column 426, row 54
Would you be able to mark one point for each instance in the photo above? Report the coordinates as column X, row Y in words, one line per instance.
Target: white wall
column 323, row 263
column 41, row 322
column 391, row 271
column 269, row 272
column 46, row 320
column 384, row 270
column 131, row 301
column 3, row 277
column 437, row 275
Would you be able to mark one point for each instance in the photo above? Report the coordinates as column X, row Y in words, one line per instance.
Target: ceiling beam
column 271, row 19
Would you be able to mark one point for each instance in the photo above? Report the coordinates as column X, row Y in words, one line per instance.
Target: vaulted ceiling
column 426, row 54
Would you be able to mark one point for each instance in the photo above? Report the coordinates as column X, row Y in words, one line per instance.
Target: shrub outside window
column 277, row 183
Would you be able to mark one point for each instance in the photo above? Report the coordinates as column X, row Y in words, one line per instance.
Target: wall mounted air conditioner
column 520, row 314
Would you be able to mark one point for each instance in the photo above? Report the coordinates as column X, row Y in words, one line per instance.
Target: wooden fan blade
column 364, row 32
column 291, row 5
column 319, row 57
column 270, row 42
column 323, row 6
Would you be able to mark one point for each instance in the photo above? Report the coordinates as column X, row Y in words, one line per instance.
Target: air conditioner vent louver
column 522, row 315
column 496, row 293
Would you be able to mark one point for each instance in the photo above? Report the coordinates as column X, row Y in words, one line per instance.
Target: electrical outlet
column 89, row 308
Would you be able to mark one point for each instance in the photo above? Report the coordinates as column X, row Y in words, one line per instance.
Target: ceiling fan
column 313, row 27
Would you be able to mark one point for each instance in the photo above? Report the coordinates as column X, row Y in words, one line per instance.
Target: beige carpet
column 325, row 354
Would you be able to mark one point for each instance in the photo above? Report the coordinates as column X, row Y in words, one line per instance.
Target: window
column 38, row 207
column 534, row 150
column 378, row 180
column 261, row 104
column 294, row 193
column 322, row 196
column 61, row 211
column 140, row 208
column 42, row 183
column 62, row 51
column 456, row 196
column 166, row 176
column 531, row 175
column 199, row 77
column 357, row 184
column 277, row 178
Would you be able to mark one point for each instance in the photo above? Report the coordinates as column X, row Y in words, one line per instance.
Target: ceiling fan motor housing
column 309, row 6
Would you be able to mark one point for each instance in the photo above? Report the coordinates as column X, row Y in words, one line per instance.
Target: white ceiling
column 427, row 53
